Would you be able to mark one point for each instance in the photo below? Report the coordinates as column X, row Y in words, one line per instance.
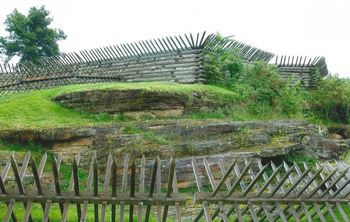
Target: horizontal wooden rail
column 236, row 189
column 86, row 191
column 101, row 198
column 200, row 197
column 270, row 192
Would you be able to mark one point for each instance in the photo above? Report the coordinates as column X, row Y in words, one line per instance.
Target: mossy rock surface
column 141, row 101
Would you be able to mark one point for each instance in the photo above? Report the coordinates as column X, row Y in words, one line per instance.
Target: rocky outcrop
column 329, row 145
column 116, row 101
column 180, row 138
column 323, row 147
column 213, row 139
column 136, row 102
column 259, row 137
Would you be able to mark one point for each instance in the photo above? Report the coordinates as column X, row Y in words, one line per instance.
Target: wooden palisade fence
column 173, row 58
column 275, row 193
column 302, row 68
column 246, row 190
column 112, row 195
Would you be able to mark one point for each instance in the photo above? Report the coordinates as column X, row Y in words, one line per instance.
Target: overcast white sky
column 292, row 27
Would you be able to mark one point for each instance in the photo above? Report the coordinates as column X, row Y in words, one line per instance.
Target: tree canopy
column 30, row 37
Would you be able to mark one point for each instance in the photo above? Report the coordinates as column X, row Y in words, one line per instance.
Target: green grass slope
column 37, row 110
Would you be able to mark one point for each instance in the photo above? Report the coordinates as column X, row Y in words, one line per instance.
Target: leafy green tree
column 30, row 37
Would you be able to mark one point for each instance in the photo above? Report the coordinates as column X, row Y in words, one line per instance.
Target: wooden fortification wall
column 171, row 59
column 301, row 68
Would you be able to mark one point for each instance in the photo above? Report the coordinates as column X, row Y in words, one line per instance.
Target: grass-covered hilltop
column 38, row 110
column 242, row 93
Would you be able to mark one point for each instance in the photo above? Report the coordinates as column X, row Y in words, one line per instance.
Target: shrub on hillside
column 264, row 81
column 330, row 100
column 291, row 100
column 267, row 91
column 259, row 85
column 222, row 66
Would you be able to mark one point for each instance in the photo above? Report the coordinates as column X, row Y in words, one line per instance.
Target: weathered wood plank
column 106, row 185
column 132, row 190
column 124, row 184
column 158, row 189
column 114, row 188
column 142, row 186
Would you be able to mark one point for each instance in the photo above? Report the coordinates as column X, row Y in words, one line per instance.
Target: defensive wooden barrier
column 172, row 59
column 302, row 68
column 275, row 193
column 143, row 198
column 246, row 190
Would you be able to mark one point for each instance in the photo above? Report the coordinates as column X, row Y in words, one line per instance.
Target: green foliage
column 259, row 86
column 219, row 114
column 315, row 77
column 300, row 159
column 30, row 147
column 130, row 129
column 291, row 100
column 222, row 66
column 263, row 91
column 106, row 117
column 150, row 136
column 30, row 37
column 55, row 213
column 262, row 83
column 331, row 100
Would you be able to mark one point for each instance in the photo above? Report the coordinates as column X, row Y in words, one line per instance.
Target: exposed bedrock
column 137, row 101
column 176, row 137
column 186, row 138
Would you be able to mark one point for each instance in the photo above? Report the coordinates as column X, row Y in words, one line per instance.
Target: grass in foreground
column 55, row 214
